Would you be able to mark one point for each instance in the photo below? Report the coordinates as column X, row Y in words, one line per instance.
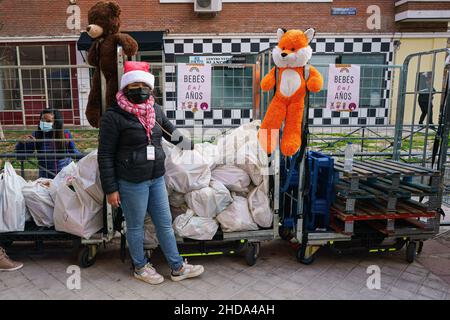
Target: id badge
column 150, row 152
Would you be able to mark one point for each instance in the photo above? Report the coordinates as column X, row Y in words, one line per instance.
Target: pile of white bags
column 68, row 172
column 237, row 217
column 39, row 201
column 13, row 210
column 87, row 177
column 186, row 171
column 222, row 184
column 189, row 225
column 232, row 177
column 76, row 212
column 209, row 152
column 210, row 201
column 72, row 202
column 78, row 209
column 259, row 206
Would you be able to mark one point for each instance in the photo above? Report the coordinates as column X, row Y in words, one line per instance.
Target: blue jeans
column 136, row 200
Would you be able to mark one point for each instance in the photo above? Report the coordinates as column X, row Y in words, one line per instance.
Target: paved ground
column 277, row 275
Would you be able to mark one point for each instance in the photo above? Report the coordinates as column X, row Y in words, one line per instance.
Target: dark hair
column 58, row 129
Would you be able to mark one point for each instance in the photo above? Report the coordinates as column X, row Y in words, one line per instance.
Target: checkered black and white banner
column 237, row 46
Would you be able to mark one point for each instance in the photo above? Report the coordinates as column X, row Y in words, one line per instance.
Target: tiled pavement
column 276, row 275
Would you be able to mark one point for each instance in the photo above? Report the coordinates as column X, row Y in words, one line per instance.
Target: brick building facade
column 37, row 31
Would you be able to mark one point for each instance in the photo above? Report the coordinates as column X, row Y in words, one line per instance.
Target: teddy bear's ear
column 280, row 33
column 310, row 34
column 115, row 8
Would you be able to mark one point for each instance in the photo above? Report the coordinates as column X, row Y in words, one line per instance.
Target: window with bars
column 9, row 80
column 41, row 87
column 372, row 77
column 231, row 84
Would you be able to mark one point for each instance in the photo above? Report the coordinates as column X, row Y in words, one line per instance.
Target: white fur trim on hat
column 137, row 76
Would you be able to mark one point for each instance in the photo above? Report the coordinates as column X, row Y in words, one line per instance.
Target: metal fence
column 26, row 90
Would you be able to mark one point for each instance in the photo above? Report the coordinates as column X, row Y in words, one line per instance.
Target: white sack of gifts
column 186, row 171
column 88, row 176
column 167, row 147
column 39, row 202
column 210, row 201
column 229, row 144
column 150, row 237
column 13, row 210
column 209, row 152
column 68, row 172
column 259, row 205
column 76, row 212
column 198, row 228
column 253, row 159
column 232, row 177
column 237, row 217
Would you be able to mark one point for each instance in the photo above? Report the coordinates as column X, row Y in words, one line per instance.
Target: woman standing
column 131, row 164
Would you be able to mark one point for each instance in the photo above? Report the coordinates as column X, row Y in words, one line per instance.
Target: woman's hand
column 29, row 138
column 114, row 199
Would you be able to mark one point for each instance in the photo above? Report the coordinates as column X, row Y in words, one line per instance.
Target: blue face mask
column 46, row 126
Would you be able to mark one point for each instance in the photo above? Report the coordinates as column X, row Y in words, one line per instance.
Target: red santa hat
column 136, row 71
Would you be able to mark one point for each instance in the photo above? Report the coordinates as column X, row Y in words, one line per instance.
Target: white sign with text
column 343, row 87
column 194, row 87
column 210, row 59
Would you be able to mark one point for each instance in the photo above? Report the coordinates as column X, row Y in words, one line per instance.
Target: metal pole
column 362, row 140
column 21, row 87
column 424, row 157
column 400, row 110
column 413, row 116
column 45, row 78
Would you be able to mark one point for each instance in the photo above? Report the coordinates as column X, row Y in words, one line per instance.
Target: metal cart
column 246, row 243
column 379, row 205
column 86, row 248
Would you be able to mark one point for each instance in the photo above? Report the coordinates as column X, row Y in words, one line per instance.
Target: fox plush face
column 293, row 48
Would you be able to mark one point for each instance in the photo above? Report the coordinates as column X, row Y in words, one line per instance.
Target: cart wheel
column 252, row 253
column 6, row 243
column 87, row 257
column 305, row 260
column 420, row 248
column 411, row 252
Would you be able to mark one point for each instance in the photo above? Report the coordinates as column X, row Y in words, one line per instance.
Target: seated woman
column 51, row 138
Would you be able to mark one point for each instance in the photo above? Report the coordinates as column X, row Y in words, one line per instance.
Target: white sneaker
column 187, row 271
column 148, row 274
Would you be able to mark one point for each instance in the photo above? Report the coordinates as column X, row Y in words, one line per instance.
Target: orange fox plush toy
column 290, row 56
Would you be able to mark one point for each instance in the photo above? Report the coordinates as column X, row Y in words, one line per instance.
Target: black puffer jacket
column 122, row 150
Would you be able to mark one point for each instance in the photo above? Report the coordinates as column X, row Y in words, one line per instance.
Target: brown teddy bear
column 104, row 24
